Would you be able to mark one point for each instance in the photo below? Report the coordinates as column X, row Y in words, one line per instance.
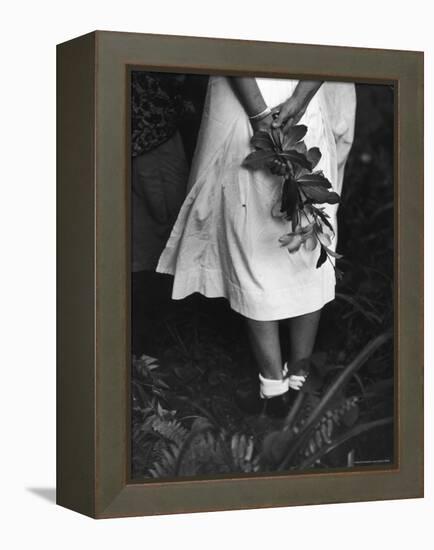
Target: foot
column 275, row 407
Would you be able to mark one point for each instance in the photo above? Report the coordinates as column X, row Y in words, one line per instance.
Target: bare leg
column 302, row 335
column 264, row 339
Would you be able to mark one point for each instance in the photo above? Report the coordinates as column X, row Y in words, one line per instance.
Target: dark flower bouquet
column 303, row 189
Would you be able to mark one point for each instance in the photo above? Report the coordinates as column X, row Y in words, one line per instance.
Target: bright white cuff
column 271, row 388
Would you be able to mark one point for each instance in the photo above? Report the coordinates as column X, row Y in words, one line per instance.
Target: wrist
column 300, row 98
column 263, row 123
column 304, row 92
column 261, row 115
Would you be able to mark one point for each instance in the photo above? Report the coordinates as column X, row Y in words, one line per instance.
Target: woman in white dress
column 225, row 242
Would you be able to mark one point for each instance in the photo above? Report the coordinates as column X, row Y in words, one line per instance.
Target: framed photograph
column 240, row 274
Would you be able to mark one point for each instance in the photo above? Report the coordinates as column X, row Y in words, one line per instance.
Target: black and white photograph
column 262, row 275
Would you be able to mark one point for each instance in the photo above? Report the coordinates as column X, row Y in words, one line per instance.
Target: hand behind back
column 290, row 112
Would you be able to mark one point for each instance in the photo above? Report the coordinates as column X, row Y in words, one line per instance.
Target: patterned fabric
column 156, row 107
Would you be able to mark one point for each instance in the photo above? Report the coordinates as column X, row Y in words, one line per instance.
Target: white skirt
column 225, row 243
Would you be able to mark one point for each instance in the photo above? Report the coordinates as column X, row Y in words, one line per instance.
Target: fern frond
column 170, row 429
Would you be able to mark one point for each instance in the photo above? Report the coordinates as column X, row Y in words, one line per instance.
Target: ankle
column 271, row 387
column 271, row 375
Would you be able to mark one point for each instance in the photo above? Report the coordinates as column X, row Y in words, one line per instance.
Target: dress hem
column 243, row 302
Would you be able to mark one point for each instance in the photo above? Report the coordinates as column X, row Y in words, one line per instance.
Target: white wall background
column 29, row 32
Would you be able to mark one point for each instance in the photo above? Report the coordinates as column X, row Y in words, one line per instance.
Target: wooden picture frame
column 93, row 272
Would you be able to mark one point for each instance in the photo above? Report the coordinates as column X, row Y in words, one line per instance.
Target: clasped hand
column 290, row 112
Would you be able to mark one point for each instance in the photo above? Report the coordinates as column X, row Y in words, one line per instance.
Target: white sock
column 271, row 388
column 293, row 381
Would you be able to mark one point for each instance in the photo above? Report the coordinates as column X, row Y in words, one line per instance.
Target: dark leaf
column 322, row 258
column 317, row 178
column 296, row 157
column 258, row 159
column 300, row 147
column 324, row 217
column 262, row 140
column 300, row 171
column 314, row 156
column 333, row 253
column 320, row 195
column 294, row 134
